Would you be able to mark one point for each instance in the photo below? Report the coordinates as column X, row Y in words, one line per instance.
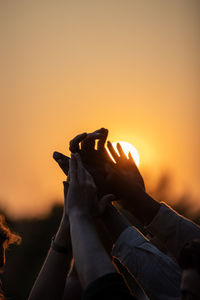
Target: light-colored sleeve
column 173, row 230
column 157, row 273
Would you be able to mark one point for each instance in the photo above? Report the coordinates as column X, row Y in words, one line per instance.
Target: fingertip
column 56, row 155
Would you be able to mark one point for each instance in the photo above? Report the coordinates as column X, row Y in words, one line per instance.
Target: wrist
column 62, row 237
column 63, row 248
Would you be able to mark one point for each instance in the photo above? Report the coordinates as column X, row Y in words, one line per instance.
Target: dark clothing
column 110, row 286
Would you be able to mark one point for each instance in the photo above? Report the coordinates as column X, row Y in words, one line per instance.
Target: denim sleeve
column 173, row 230
column 157, row 273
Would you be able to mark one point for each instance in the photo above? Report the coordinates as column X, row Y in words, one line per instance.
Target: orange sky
column 73, row 66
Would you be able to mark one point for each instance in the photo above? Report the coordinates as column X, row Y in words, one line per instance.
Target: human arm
column 172, row 229
column 126, row 182
column 92, row 262
column 50, row 282
column 73, row 289
column 83, row 234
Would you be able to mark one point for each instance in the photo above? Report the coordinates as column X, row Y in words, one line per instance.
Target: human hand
column 82, row 196
column 125, row 166
column 94, row 160
column 63, row 161
column 124, row 179
column 82, row 190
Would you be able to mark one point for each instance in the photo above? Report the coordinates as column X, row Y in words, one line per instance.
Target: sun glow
column 127, row 147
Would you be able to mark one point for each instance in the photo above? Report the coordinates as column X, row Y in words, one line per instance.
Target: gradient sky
column 74, row 66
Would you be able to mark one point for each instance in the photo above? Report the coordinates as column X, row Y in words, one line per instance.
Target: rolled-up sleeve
column 172, row 229
column 157, row 273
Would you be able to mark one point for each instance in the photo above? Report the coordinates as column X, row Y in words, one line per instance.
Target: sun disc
column 127, row 147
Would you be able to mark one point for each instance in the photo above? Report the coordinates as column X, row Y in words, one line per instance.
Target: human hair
column 189, row 257
column 6, row 238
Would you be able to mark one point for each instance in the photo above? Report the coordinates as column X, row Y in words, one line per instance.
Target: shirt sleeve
column 173, row 230
column 110, row 286
column 157, row 273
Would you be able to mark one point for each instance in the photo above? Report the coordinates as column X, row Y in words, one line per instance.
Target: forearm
column 51, row 280
column 140, row 204
column 146, row 208
column 90, row 258
column 73, row 289
column 114, row 222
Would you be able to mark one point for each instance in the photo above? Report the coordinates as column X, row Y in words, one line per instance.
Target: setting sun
column 127, row 147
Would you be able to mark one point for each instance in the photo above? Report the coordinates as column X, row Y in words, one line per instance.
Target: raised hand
column 94, row 159
column 63, row 161
column 125, row 181
column 82, row 196
column 125, row 166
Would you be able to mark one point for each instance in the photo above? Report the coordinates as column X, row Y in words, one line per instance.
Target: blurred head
column 6, row 238
column 189, row 262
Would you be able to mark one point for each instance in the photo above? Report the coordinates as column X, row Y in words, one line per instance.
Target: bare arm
column 51, row 280
column 73, row 289
column 92, row 261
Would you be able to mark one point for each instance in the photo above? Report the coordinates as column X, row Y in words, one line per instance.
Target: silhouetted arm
column 73, row 289
column 50, row 282
column 92, row 262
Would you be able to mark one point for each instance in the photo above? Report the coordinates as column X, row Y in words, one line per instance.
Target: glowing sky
column 74, row 66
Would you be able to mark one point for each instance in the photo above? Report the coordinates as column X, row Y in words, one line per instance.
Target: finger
column 84, row 175
column 63, row 161
column 81, row 172
column 102, row 139
column 74, row 143
column 112, row 151
column 73, row 169
column 120, row 150
column 104, row 201
column 66, row 186
column 89, row 142
column 132, row 160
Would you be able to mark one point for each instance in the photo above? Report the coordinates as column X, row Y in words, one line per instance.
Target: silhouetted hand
column 63, row 161
column 126, row 183
column 82, row 196
column 94, row 159
column 125, row 166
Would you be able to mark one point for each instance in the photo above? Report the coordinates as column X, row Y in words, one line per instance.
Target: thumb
column 104, row 201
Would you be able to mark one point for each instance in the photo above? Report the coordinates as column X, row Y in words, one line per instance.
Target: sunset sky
column 68, row 67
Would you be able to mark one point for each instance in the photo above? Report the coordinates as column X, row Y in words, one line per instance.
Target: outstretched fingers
column 121, row 152
column 112, row 151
